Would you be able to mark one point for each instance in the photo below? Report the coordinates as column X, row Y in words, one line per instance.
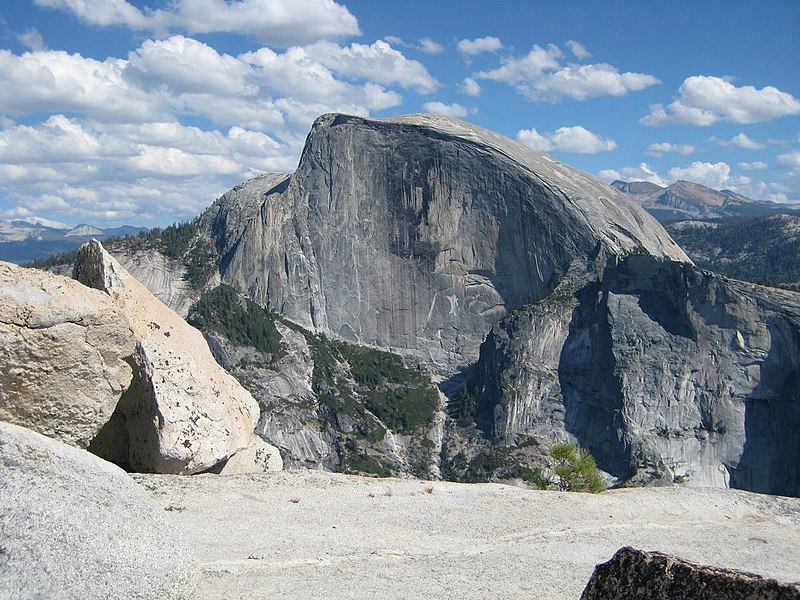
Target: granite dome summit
column 419, row 232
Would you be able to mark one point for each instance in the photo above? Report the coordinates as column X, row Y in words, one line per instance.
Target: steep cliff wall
column 664, row 371
column 418, row 233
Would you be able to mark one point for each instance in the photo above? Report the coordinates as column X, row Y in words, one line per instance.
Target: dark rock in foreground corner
column 75, row 526
column 645, row 575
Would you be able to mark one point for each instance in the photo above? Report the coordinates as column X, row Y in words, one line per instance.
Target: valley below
column 314, row 534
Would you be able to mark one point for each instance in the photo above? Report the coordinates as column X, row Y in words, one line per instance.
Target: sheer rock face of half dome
column 418, row 233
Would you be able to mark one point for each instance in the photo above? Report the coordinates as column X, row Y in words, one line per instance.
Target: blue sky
column 143, row 112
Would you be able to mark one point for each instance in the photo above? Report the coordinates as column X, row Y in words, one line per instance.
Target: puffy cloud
column 479, row 45
column 174, row 162
column 704, row 100
column 586, row 81
column 578, row 50
column 100, row 12
column 53, row 81
column 279, row 22
column 145, row 200
column 396, row 41
column 305, row 83
column 183, row 65
column 740, row 141
column 377, row 62
column 574, row 139
column 609, row 175
column 662, row 148
column 713, row 175
column 428, row 46
column 280, row 91
column 32, row 39
column 540, row 76
column 753, row 166
column 790, row 159
column 57, row 140
column 448, row 110
column 529, row 67
column 112, row 172
column 470, row 87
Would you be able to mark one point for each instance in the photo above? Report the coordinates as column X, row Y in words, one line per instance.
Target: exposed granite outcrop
column 662, row 370
column 418, row 233
column 637, row 574
column 164, row 277
column 428, row 237
column 74, row 526
column 63, row 352
column 183, row 413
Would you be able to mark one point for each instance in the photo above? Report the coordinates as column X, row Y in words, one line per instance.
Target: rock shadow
column 590, row 387
column 770, row 460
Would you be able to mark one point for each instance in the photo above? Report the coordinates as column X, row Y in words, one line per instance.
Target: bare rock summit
column 418, row 233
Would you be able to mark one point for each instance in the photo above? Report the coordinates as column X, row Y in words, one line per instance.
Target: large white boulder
column 183, row 414
column 63, row 350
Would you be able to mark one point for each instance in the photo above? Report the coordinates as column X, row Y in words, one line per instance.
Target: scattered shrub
column 573, row 470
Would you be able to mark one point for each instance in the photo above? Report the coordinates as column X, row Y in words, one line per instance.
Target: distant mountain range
column 21, row 241
column 684, row 200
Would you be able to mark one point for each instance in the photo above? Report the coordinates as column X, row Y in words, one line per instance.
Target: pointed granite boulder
column 183, row 413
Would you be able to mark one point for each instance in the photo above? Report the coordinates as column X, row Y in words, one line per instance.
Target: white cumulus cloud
column 740, row 141
column 479, row 45
column 82, row 170
column 713, row 175
column 428, row 46
column 278, row 22
column 53, row 81
column 586, row 81
column 470, row 87
column 515, row 70
column 184, row 65
column 757, row 165
column 118, row 127
column 32, row 39
column 574, row 139
column 790, row 159
column 578, row 50
column 704, row 100
column 539, row 75
column 661, row 148
column 378, row 62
